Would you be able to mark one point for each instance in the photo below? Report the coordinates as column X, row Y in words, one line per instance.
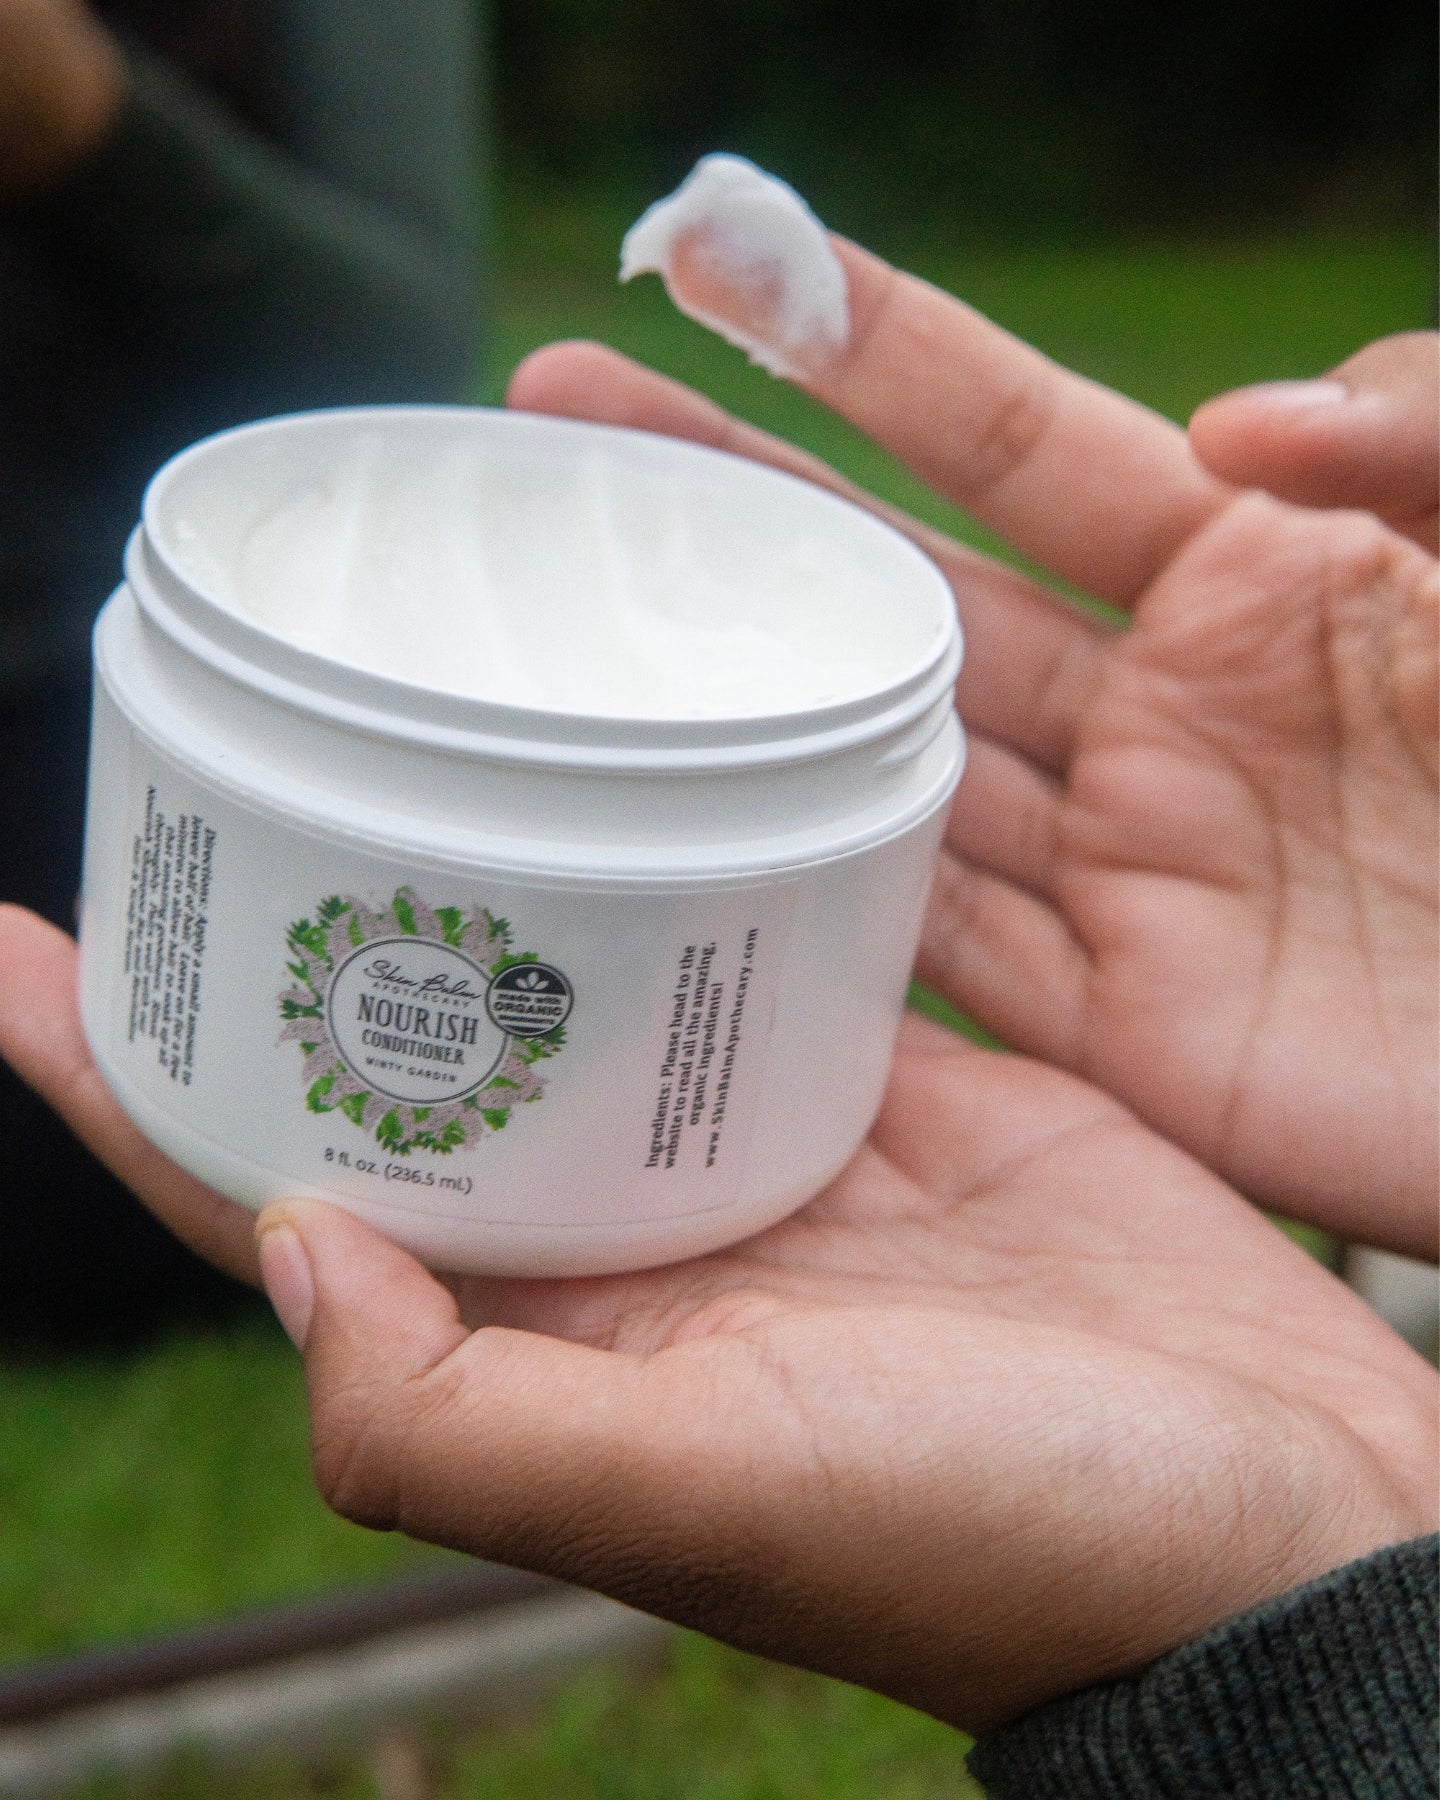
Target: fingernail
column 285, row 1270
column 1298, row 396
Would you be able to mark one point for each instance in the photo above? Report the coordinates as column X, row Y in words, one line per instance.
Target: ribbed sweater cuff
column 1328, row 1693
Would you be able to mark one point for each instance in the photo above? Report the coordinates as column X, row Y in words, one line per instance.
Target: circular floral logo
column 420, row 1024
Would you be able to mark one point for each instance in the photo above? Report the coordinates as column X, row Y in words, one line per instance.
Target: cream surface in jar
column 587, row 586
column 513, row 829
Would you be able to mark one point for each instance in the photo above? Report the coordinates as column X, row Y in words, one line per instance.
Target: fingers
column 42, row 1039
column 1366, row 436
column 1006, row 957
column 417, row 1424
column 1005, row 818
column 1092, row 486
column 1030, row 658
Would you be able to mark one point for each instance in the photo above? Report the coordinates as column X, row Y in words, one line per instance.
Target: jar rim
column 350, row 695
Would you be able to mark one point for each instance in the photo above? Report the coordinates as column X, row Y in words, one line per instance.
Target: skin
column 1029, row 1395
column 1026, row 1398
column 1194, row 860
column 1367, row 436
column 62, row 78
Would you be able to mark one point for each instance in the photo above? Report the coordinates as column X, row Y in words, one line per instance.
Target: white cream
column 753, row 237
column 604, row 581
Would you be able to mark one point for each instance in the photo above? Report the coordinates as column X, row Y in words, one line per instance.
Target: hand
column 1023, row 1400
column 1193, row 860
column 42, row 1040
column 1369, row 435
column 61, row 82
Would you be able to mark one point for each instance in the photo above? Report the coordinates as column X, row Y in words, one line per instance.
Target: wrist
column 1328, row 1689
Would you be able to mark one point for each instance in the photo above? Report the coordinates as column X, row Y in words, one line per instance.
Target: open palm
column 1194, row 859
column 1025, row 1398
column 1215, row 896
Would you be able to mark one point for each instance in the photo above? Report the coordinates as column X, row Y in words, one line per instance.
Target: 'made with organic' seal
column 556, row 915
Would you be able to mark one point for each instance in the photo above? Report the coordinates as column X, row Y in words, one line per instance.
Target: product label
column 165, row 926
column 430, row 1036
column 703, row 1035
column 420, row 1024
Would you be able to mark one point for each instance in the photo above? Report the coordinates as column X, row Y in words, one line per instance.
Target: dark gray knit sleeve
column 1328, row 1693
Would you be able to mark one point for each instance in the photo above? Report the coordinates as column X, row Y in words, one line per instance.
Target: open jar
column 496, row 886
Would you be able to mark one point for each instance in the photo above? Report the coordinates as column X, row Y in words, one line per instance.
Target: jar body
column 562, row 1060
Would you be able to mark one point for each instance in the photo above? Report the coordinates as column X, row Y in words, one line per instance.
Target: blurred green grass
column 712, row 1725
column 143, row 1494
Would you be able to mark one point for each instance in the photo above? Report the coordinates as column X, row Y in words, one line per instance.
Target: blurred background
column 1173, row 199
column 1059, row 119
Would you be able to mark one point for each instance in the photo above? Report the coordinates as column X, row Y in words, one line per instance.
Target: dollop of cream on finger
column 739, row 251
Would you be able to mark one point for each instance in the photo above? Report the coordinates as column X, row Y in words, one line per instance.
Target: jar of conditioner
column 512, row 829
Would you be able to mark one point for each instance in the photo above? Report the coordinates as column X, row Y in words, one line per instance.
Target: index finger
column 1093, row 486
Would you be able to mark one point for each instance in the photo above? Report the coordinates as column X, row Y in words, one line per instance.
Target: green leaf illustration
column 449, row 1137
column 507, row 961
column 315, row 1099
column 452, row 923
column 536, row 1049
column 312, row 938
column 405, row 913
column 496, row 1117
column 353, row 1107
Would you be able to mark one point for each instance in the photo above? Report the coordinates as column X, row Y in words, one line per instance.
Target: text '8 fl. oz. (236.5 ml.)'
column 514, row 830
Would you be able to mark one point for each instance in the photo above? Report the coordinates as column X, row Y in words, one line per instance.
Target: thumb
column 683, row 1483
column 506, row 1444
column 1365, row 436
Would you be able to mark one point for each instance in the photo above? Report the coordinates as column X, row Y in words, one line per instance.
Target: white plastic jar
column 536, row 991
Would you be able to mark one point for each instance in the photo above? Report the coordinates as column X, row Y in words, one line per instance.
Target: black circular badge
column 528, row 999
